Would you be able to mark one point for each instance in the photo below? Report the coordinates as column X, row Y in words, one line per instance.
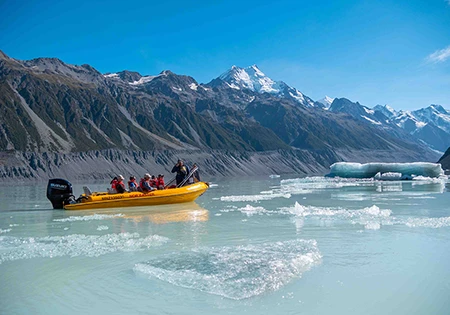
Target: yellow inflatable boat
column 59, row 192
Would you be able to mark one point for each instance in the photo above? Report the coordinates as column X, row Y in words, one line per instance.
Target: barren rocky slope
column 71, row 121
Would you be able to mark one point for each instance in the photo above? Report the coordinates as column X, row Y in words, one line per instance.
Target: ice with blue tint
column 370, row 170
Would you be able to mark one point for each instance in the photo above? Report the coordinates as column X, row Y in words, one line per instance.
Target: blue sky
column 374, row 52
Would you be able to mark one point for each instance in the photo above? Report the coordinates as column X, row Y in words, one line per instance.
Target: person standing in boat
column 181, row 170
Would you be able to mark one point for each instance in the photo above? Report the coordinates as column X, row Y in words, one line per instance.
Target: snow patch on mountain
column 375, row 122
column 144, row 80
column 326, row 101
column 111, row 75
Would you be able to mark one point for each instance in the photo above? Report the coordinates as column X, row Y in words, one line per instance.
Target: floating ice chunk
column 89, row 217
column 102, row 228
column 372, row 226
column 235, row 272
column 250, row 210
column 428, row 222
column 274, row 176
column 298, row 209
column 5, row 231
column 255, row 198
column 392, row 176
column 373, row 212
column 357, row 170
column 440, row 179
column 15, row 248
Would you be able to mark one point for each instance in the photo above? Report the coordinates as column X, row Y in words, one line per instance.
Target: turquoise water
column 253, row 246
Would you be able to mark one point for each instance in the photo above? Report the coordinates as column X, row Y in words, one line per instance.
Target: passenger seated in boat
column 154, row 182
column 160, row 181
column 120, row 186
column 144, row 184
column 181, row 170
column 132, row 184
column 113, row 183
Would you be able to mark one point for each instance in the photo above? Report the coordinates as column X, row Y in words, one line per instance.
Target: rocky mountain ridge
column 50, row 107
column 431, row 125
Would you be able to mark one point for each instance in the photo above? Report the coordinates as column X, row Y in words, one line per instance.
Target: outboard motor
column 59, row 192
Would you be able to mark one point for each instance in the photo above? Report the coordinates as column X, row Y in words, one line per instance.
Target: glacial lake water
column 248, row 246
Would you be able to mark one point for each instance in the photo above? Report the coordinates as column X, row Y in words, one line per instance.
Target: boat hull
column 135, row 199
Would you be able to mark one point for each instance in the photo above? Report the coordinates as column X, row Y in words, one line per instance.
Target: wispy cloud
column 439, row 55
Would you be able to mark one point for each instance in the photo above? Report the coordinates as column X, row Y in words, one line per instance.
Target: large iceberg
column 369, row 170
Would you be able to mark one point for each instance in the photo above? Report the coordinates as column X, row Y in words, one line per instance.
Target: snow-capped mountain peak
column 386, row 110
column 250, row 78
column 436, row 114
column 254, row 79
column 326, row 101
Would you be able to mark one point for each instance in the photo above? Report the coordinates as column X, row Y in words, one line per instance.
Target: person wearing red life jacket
column 154, row 182
column 144, row 184
column 120, row 186
column 160, row 181
column 132, row 184
column 113, row 183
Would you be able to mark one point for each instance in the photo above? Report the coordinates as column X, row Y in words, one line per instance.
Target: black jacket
column 182, row 172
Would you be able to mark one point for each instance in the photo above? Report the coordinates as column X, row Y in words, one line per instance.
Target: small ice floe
column 102, row 228
column 372, row 226
column 255, row 198
column 307, row 184
column 235, row 272
column 368, row 213
column 15, row 248
column 249, row 210
column 89, row 217
column 274, row 176
column 5, row 231
column 428, row 222
column 392, row 176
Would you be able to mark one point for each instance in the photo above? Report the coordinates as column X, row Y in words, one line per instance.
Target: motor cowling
column 59, row 192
